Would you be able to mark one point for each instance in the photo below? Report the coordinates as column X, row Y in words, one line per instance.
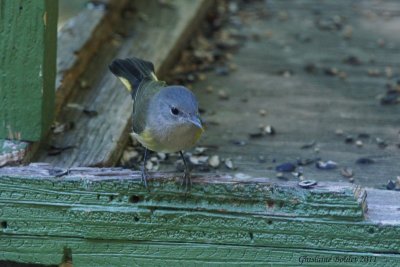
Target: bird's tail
column 132, row 71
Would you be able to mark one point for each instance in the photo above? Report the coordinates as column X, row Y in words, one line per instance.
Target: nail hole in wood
column 251, row 235
column 134, row 199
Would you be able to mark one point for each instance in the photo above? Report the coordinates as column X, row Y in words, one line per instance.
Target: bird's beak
column 197, row 122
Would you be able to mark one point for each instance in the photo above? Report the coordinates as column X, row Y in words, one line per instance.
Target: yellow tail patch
column 126, row 83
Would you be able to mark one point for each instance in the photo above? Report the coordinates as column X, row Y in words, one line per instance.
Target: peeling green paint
column 108, row 220
column 28, row 36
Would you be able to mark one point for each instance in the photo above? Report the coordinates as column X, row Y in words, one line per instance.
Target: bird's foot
column 187, row 181
column 144, row 178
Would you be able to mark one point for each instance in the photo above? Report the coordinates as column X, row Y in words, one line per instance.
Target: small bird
column 164, row 118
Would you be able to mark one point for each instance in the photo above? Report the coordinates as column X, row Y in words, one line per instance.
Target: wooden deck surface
column 98, row 108
column 311, row 67
column 287, row 67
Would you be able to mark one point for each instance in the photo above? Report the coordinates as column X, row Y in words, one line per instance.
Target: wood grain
column 155, row 33
column 99, row 213
column 307, row 106
column 79, row 39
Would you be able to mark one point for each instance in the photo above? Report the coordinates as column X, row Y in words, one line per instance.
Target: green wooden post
column 28, row 43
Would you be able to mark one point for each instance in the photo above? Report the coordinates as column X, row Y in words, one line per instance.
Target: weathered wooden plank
column 49, row 250
column 28, row 41
column 156, row 32
column 382, row 211
column 79, row 40
column 72, row 208
column 305, row 105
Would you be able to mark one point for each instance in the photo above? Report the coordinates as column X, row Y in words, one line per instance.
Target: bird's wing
column 146, row 90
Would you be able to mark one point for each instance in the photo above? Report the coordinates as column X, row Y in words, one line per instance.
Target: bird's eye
column 174, row 111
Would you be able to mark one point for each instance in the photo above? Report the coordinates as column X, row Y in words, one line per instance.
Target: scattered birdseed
column 232, row 66
column 214, row 161
column 389, row 72
column 365, row 161
column 269, row 130
column 62, row 127
column 347, row 32
column 262, row 112
column 90, row 112
column 222, row 70
column 390, row 185
column 347, row 172
column 198, row 160
column 239, row 142
column 154, row 159
column 261, row 159
column 223, row 95
column 281, row 176
column 326, row 165
column 381, row 143
column 305, row 162
column 349, row 139
column 342, row 75
column 307, row 183
column 83, row 84
column 285, row 167
column 201, row 76
column 128, row 155
column 308, row 145
column 149, row 165
column 374, row 72
column 200, row 150
column 256, row 135
column 297, row 174
column 339, row 132
column 310, row 68
column 331, row 71
column 209, row 89
column 390, row 98
column 352, row 60
column 228, row 163
column 162, row 156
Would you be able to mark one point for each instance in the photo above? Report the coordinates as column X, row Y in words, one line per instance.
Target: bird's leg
column 187, row 181
column 144, row 172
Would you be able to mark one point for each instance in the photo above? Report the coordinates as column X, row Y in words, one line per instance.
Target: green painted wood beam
column 28, row 41
column 106, row 217
column 125, row 253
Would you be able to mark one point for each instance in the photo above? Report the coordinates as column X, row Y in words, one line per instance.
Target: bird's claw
column 187, row 181
column 144, row 178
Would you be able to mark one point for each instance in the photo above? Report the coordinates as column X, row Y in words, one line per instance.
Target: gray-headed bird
column 164, row 118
